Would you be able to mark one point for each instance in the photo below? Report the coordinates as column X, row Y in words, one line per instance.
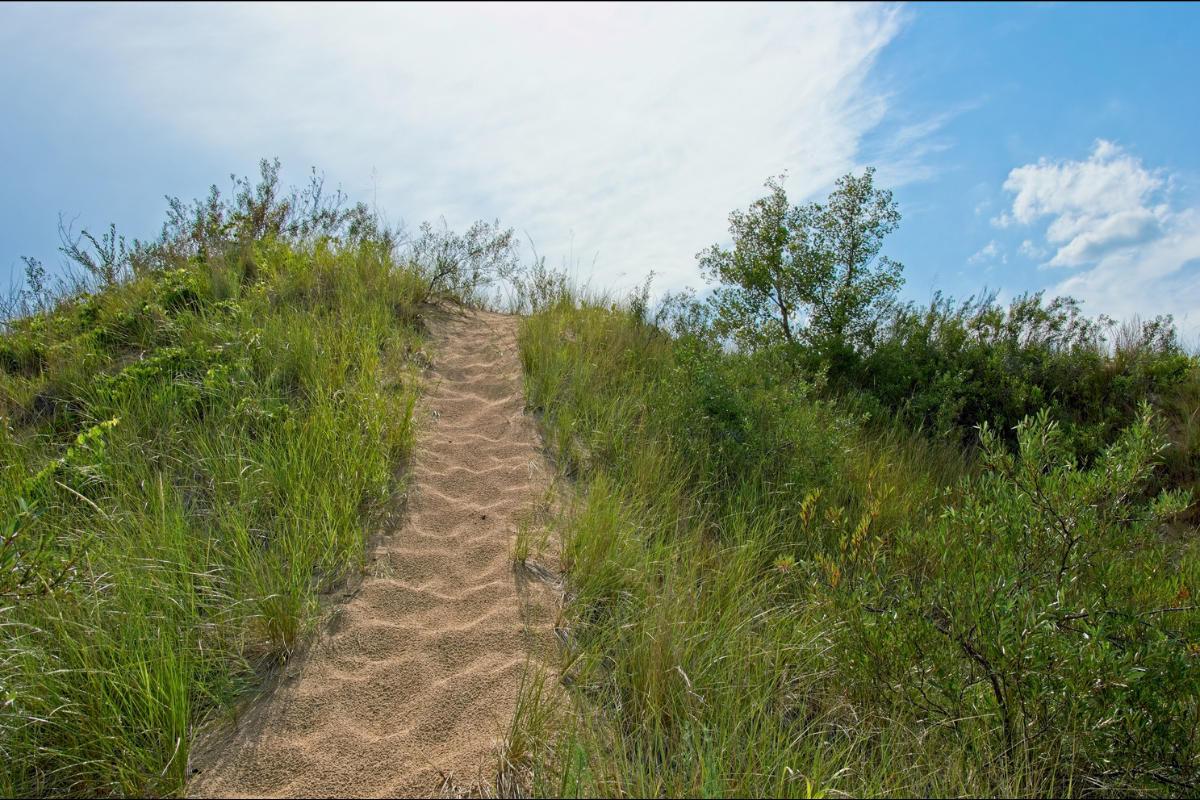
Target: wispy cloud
column 903, row 153
column 986, row 254
column 1030, row 250
column 637, row 127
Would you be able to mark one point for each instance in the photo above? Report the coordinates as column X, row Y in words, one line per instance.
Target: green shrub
column 805, row 285
column 1046, row 607
column 949, row 368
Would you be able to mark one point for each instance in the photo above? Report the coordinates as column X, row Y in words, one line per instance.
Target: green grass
column 204, row 438
column 772, row 595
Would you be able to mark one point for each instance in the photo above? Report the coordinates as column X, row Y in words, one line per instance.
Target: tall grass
column 205, row 431
column 758, row 577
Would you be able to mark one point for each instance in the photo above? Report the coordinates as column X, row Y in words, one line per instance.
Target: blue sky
column 1008, row 86
column 1030, row 146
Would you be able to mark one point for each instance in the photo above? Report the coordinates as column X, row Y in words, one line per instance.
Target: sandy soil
column 409, row 686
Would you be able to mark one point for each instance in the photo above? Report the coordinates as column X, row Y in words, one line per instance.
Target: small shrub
column 1048, row 605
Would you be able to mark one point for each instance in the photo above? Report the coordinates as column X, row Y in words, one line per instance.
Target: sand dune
column 414, row 677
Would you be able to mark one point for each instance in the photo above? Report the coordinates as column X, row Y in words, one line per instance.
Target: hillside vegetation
column 867, row 549
column 814, row 541
column 196, row 435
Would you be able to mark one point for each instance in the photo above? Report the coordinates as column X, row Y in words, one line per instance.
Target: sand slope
column 414, row 677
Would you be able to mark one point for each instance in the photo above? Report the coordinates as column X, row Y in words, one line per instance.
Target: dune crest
column 406, row 691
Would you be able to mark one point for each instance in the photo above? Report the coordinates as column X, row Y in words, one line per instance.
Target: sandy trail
column 417, row 673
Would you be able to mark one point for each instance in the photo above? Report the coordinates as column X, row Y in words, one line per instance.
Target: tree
column 807, row 276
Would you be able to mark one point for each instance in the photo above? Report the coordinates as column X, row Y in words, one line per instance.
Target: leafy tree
column 807, row 276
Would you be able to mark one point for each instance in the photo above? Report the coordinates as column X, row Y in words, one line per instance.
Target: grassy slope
column 216, row 428
column 766, row 593
column 767, row 597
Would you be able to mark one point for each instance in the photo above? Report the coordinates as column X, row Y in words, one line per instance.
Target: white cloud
column 986, row 254
column 1030, row 250
column 1161, row 277
column 1099, row 206
column 1144, row 256
column 639, row 127
column 903, row 153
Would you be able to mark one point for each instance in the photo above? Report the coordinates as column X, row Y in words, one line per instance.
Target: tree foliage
column 807, row 276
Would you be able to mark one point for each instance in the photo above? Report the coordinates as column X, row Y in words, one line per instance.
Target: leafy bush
column 806, row 281
column 30, row 567
column 1047, row 603
column 463, row 267
column 949, row 368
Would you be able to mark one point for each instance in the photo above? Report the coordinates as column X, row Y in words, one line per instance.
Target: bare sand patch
column 409, row 687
